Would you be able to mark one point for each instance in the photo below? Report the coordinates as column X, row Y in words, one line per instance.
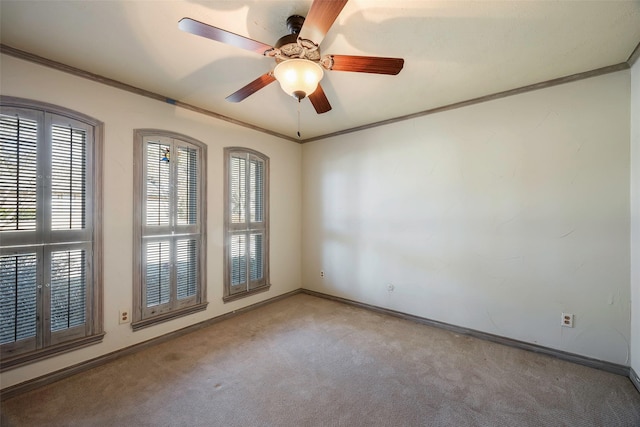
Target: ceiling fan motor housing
column 289, row 46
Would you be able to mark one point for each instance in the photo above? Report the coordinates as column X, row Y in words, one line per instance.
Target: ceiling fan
column 299, row 65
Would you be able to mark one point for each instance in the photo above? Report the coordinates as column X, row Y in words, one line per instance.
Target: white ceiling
column 453, row 50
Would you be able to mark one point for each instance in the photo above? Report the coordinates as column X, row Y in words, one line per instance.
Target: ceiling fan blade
column 319, row 101
column 205, row 30
column 251, row 88
column 366, row 64
column 321, row 16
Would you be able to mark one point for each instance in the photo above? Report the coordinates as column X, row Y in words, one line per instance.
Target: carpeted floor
column 308, row 361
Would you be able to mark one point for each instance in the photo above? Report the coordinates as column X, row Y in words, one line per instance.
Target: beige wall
column 635, row 217
column 122, row 112
column 496, row 217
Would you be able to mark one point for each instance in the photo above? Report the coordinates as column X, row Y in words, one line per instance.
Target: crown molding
column 17, row 53
column 158, row 97
column 634, row 55
column 481, row 99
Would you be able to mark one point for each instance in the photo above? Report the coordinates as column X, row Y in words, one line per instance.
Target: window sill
column 144, row 323
column 35, row 356
column 234, row 297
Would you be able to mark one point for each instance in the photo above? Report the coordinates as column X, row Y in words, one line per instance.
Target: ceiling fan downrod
column 294, row 24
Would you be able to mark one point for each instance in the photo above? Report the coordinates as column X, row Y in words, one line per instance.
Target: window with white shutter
column 246, row 223
column 169, row 242
column 50, row 241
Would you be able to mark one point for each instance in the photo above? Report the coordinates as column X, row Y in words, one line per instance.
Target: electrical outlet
column 124, row 316
column 567, row 320
column 390, row 287
column 321, row 273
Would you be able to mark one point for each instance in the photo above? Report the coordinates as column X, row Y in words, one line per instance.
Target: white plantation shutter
column 68, row 289
column 186, row 268
column 158, row 200
column 238, row 249
column 256, row 190
column 18, row 295
column 187, row 186
column 158, row 274
column 68, row 178
column 256, row 251
column 171, row 216
column 246, row 222
column 18, row 169
column 238, row 189
column 48, row 289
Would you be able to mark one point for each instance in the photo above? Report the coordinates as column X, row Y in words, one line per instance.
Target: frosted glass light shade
column 298, row 77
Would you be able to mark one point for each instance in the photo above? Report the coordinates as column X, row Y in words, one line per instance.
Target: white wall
column 635, row 217
column 122, row 112
column 497, row 217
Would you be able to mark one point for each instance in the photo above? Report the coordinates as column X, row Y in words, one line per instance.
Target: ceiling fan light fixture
column 298, row 77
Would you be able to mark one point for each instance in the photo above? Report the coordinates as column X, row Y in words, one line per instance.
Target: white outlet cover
column 567, row 320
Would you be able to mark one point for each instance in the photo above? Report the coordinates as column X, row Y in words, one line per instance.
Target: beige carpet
column 307, row 361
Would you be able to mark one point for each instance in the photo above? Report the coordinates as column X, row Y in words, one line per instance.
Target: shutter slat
column 256, row 189
column 68, row 289
column 187, row 186
column 238, row 190
column 186, row 268
column 18, row 297
column 256, row 251
column 238, row 250
column 18, row 162
column 68, row 172
column 158, row 185
column 157, row 272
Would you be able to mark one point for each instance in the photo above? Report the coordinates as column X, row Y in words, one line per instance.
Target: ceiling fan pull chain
column 299, row 118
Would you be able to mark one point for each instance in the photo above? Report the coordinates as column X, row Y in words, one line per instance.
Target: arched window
column 170, row 227
column 246, row 223
column 50, row 233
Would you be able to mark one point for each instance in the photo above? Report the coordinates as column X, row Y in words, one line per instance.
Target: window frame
column 44, row 241
column 231, row 229
column 143, row 316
